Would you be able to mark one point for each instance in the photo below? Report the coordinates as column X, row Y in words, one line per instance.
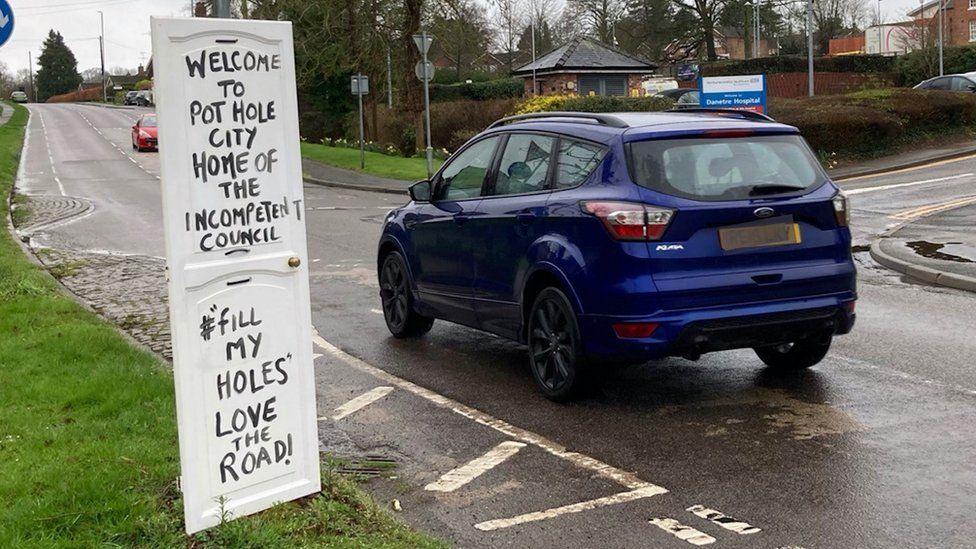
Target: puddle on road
column 943, row 252
column 802, row 420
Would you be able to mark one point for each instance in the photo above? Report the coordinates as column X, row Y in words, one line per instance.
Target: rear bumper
column 692, row 332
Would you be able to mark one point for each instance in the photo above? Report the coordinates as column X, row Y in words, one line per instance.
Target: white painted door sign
column 236, row 254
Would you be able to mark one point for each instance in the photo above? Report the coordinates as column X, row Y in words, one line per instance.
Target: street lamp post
column 810, row 48
column 101, row 49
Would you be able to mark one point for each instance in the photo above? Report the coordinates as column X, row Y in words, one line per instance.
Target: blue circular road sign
column 6, row 22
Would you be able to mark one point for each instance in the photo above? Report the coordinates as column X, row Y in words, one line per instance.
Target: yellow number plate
column 759, row 236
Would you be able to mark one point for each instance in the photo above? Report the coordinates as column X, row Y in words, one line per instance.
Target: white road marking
column 625, row 478
column 360, row 402
column 909, row 184
column 456, row 478
column 376, row 311
column 682, row 532
column 47, row 145
column 316, row 356
column 622, row 497
column 727, row 522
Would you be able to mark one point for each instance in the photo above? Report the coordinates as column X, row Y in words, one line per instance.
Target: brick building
column 588, row 67
column 959, row 20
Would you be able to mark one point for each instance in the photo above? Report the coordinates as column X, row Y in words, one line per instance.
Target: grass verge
column 381, row 165
column 88, row 453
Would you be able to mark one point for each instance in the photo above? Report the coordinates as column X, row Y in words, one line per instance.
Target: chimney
column 141, row 70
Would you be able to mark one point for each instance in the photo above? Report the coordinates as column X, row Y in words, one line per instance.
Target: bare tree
column 833, row 17
column 462, row 32
column 509, row 20
column 599, row 17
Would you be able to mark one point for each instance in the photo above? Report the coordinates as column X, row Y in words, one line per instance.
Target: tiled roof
column 586, row 53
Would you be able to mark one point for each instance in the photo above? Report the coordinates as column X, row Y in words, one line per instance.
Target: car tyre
column 556, row 356
column 401, row 318
column 798, row 355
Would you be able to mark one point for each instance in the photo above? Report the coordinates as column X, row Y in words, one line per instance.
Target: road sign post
column 423, row 42
column 233, row 213
column 360, row 87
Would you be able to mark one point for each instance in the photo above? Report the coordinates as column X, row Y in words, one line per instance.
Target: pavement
column 872, row 448
column 318, row 173
column 939, row 248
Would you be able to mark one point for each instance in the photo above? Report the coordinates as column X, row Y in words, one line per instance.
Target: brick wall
column 552, row 84
column 794, row 84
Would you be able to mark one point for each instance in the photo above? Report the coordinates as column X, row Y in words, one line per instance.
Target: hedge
column 854, row 124
column 592, row 103
column 794, row 63
column 924, row 64
column 479, row 91
column 875, row 121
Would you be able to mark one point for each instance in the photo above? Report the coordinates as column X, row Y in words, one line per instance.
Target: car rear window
column 727, row 168
column 149, row 121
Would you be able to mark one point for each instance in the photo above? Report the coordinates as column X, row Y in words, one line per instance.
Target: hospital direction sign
column 236, row 255
column 746, row 92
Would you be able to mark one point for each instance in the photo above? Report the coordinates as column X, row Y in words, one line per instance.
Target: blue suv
column 626, row 237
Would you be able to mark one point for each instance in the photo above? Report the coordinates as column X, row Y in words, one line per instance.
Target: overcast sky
column 127, row 28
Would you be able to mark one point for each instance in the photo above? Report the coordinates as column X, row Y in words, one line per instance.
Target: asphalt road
column 874, row 447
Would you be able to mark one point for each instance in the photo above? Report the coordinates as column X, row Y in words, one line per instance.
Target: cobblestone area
column 44, row 210
column 128, row 290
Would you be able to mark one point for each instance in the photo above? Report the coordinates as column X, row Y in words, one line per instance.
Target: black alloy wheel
column 401, row 319
column 555, row 349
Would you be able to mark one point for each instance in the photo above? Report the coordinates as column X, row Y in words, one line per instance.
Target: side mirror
column 420, row 191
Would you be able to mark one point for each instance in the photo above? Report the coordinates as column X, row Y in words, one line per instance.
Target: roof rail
column 751, row 115
column 600, row 118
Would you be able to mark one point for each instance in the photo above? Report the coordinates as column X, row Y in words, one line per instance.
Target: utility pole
column 101, row 49
column 941, row 71
column 30, row 76
column 810, row 48
column 222, row 9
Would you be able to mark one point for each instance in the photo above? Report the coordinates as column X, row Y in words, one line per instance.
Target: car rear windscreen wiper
column 773, row 189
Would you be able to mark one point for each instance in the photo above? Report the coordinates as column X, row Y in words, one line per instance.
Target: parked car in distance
column 18, row 97
column 144, row 133
column 965, row 82
column 684, row 98
column 130, row 97
column 596, row 238
column 143, row 98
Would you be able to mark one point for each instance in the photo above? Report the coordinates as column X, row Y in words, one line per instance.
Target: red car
column 144, row 133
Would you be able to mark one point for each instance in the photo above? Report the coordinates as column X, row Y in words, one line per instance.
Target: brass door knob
column 294, row 261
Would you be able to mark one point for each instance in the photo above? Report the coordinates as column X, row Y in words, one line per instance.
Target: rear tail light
column 634, row 330
column 630, row 221
column 849, row 305
column 841, row 209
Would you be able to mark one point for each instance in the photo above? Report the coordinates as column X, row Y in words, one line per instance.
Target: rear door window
column 576, row 161
column 524, row 166
column 725, row 168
